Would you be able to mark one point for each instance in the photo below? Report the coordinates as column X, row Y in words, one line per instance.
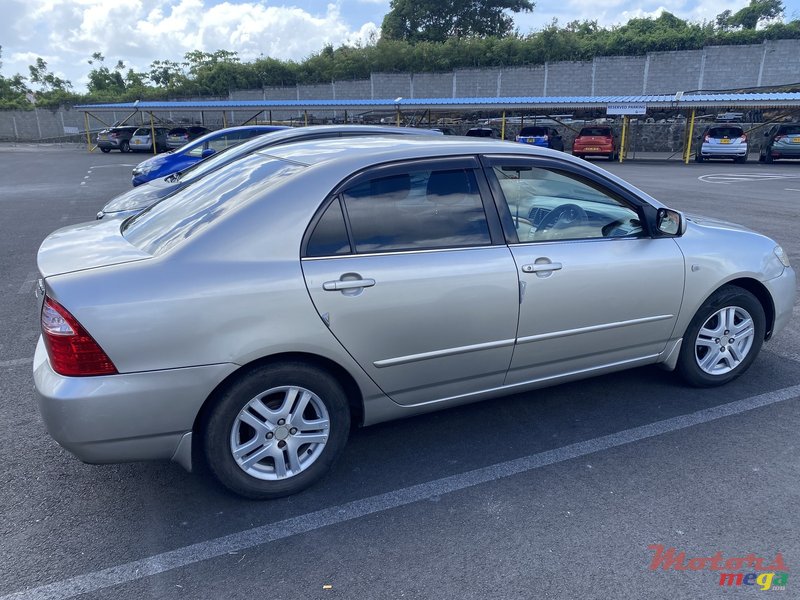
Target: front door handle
column 347, row 284
column 541, row 267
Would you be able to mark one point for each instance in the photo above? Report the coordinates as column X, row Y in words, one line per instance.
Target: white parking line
column 729, row 178
column 188, row 555
column 792, row 190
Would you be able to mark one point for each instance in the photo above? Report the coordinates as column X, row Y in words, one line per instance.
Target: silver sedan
column 249, row 320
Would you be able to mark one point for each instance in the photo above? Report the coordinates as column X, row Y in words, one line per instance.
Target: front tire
column 124, row 147
column 276, row 430
column 105, row 150
column 723, row 339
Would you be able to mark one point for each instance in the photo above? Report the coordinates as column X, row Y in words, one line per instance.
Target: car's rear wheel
column 124, row 146
column 723, row 339
column 768, row 157
column 698, row 158
column 105, row 150
column 740, row 159
column 276, row 430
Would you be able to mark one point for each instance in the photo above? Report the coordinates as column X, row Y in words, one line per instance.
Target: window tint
column 549, row 205
column 596, row 131
column 417, row 210
column 533, row 131
column 183, row 214
column 330, row 234
column 178, row 131
column 789, row 130
column 725, row 132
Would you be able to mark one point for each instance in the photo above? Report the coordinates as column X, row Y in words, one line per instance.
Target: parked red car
column 595, row 141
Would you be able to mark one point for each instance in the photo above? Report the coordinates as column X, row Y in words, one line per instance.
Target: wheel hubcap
column 724, row 340
column 280, row 433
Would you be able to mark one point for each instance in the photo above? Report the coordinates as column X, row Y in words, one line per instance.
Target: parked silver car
column 723, row 141
column 250, row 319
column 136, row 200
column 142, row 139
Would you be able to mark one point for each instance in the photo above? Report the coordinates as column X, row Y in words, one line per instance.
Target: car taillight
column 545, row 137
column 707, row 138
column 72, row 351
column 743, row 137
column 778, row 138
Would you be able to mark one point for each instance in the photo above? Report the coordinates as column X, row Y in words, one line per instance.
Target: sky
column 66, row 32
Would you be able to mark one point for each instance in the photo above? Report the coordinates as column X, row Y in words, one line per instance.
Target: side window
column 417, row 210
column 224, row 141
column 550, row 205
column 330, row 234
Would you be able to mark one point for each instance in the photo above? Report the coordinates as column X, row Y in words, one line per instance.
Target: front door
column 597, row 289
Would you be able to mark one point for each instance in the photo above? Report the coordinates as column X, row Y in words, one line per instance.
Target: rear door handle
column 541, row 267
column 347, row 284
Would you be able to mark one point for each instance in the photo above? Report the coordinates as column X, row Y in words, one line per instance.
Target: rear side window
column 726, row 132
column 330, row 234
column 191, row 210
column 417, row 210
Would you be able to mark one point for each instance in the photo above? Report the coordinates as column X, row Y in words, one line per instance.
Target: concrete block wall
column 622, row 75
column 432, row 85
column 728, row 67
column 522, row 81
column 354, row 90
column 670, row 72
column 391, row 85
column 569, row 78
column 476, row 83
column 781, row 62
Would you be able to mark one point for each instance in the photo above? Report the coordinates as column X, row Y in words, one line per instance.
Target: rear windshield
column 185, row 213
column 789, row 130
column 725, row 132
column 533, row 131
column 595, row 131
column 479, row 133
column 178, row 131
column 142, row 131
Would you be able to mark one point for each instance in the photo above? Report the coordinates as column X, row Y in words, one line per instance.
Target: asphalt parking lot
column 553, row 494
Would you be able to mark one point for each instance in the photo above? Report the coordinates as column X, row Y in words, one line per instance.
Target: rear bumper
column 785, row 151
column 126, row 417
column 593, row 149
column 723, row 150
column 109, row 144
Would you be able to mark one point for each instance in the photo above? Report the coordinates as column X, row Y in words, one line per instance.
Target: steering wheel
column 562, row 216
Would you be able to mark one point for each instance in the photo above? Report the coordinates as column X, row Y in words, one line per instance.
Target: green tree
column 103, row 79
column 438, row 20
column 758, row 10
column 47, row 80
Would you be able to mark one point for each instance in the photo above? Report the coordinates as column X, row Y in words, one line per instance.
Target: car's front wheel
column 124, row 147
column 276, row 430
column 105, row 150
column 723, row 338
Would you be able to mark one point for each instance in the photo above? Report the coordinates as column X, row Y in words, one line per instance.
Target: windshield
column 181, row 215
column 533, row 131
column 725, row 132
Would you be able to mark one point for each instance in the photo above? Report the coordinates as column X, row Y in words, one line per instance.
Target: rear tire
column 698, row 158
column 105, row 150
column 740, row 159
column 723, row 339
column 276, row 430
column 768, row 158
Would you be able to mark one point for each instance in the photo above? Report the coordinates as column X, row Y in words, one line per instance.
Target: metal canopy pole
column 224, row 119
column 305, row 117
column 86, row 128
column 623, row 140
column 688, row 152
column 153, row 134
column 253, row 117
column 503, row 127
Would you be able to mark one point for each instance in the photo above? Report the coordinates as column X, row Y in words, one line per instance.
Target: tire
column 698, row 158
column 124, row 146
column 612, row 157
column 740, row 159
column 105, row 150
column 731, row 307
column 768, row 158
column 275, row 389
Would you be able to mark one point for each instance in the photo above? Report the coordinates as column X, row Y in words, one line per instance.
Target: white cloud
column 140, row 31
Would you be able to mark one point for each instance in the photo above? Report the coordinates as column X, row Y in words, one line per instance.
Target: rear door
column 408, row 267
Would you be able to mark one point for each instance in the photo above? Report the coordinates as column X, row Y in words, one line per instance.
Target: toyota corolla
column 249, row 320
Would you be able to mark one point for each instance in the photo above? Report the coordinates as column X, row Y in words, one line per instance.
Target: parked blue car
column 167, row 163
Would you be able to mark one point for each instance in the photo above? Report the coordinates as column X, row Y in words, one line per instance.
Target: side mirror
column 670, row 222
column 208, row 152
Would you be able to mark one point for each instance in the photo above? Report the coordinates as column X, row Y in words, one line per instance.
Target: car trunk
column 85, row 246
